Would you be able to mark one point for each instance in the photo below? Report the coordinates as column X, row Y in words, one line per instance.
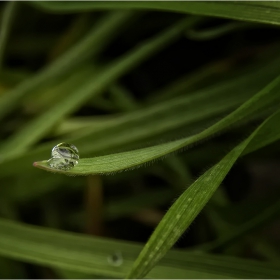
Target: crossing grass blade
column 266, row 12
column 190, row 203
column 88, row 254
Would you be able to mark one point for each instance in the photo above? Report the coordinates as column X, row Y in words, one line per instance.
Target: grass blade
column 122, row 161
column 77, row 252
column 266, row 12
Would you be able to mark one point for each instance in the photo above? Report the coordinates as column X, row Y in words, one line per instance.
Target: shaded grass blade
column 77, row 252
column 266, row 12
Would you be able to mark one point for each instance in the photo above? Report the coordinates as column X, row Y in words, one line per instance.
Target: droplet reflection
column 64, row 156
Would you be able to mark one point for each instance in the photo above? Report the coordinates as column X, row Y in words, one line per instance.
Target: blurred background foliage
column 111, row 80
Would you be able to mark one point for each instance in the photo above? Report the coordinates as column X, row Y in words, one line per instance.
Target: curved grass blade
column 77, row 252
column 266, row 12
column 121, row 161
column 189, row 113
column 88, row 46
column 189, row 204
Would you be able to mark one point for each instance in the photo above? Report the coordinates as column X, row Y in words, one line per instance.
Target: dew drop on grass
column 115, row 259
column 64, row 156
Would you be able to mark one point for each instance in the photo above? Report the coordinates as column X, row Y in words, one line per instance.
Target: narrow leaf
column 188, row 206
column 122, row 161
column 265, row 11
column 89, row 254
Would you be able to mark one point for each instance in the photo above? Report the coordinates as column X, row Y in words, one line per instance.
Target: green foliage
column 177, row 94
column 89, row 255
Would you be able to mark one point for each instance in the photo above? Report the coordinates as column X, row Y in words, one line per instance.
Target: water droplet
column 115, row 259
column 64, row 156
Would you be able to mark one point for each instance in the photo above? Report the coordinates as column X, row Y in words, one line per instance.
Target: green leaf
column 88, row 254
column 264, row 12
column 189, row 204
column 121, row 161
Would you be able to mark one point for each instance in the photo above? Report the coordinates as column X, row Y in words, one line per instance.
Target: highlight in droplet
column 64, row 156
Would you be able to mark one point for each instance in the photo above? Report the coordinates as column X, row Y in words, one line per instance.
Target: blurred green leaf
column 266, row 12
column 80, row 253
